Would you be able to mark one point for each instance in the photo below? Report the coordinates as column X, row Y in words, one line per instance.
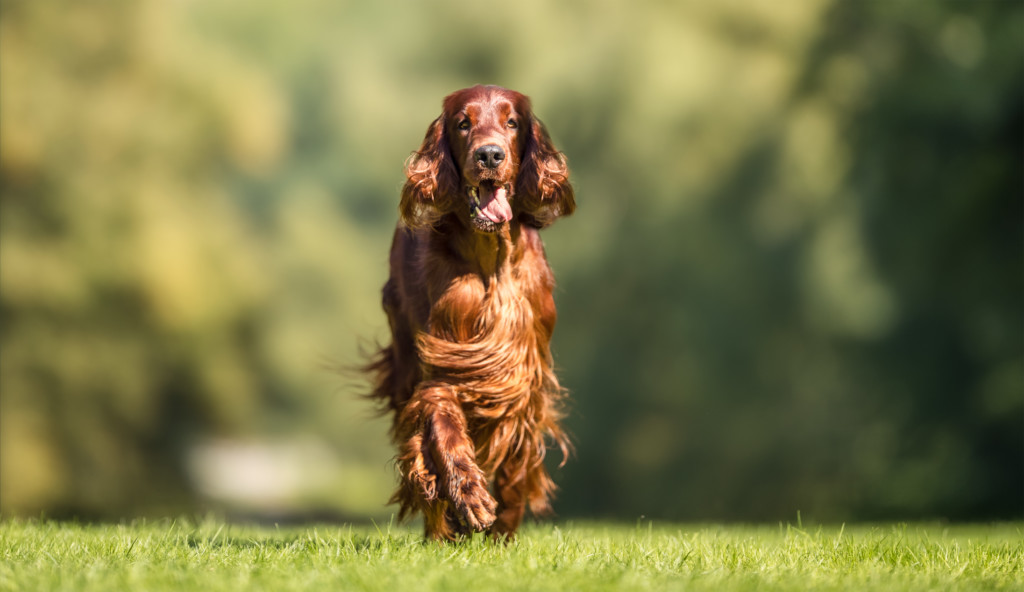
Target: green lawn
column 211, row 555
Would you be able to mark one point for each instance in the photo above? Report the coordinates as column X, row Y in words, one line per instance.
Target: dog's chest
column 502, row 309
column 482, row 331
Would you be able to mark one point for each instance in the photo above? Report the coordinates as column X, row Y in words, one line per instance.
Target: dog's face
column 483, row 127
column 488, row 161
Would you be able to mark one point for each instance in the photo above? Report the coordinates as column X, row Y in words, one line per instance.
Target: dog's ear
column 431, row 179
column 543, row 189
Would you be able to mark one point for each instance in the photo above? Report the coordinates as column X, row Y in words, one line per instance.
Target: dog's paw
column 474, row 505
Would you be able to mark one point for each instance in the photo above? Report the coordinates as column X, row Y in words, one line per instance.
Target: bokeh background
column 795, row 281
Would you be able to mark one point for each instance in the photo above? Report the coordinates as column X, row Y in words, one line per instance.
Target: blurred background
column 794, row 281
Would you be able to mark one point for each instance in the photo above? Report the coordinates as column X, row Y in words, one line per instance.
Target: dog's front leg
column 438, row 467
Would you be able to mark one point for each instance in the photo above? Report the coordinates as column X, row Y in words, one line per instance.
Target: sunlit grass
column 211, row 555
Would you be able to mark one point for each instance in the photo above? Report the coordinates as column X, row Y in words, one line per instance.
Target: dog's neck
column 489, row 254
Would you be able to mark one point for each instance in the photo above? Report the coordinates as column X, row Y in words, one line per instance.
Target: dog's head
column 487, row 160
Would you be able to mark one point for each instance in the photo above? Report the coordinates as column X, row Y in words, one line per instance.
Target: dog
column 468, row 374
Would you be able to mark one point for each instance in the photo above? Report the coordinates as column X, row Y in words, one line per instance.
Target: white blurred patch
column 260, row 473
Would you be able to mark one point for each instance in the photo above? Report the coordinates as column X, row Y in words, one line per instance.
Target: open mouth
column 488, row 205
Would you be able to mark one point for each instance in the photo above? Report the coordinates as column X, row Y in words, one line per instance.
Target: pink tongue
column 495, row 206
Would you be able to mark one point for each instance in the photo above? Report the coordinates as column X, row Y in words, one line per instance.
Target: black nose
column 490, row 155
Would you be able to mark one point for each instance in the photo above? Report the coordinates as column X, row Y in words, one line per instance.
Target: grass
column 210, row 555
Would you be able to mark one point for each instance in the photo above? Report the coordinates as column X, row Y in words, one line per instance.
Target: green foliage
column 793, row 280
column 210, row 555
column 822, row 324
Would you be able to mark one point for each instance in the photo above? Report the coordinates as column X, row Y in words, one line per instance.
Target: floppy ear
column 431, row 179
column 543, row 188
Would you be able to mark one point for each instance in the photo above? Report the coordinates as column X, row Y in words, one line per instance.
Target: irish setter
column 468, row 373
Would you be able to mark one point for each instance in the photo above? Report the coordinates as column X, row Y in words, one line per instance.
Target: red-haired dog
column 468, row 373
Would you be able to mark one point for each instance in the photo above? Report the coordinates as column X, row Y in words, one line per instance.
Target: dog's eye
column 464, row 124
column 512, row 124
